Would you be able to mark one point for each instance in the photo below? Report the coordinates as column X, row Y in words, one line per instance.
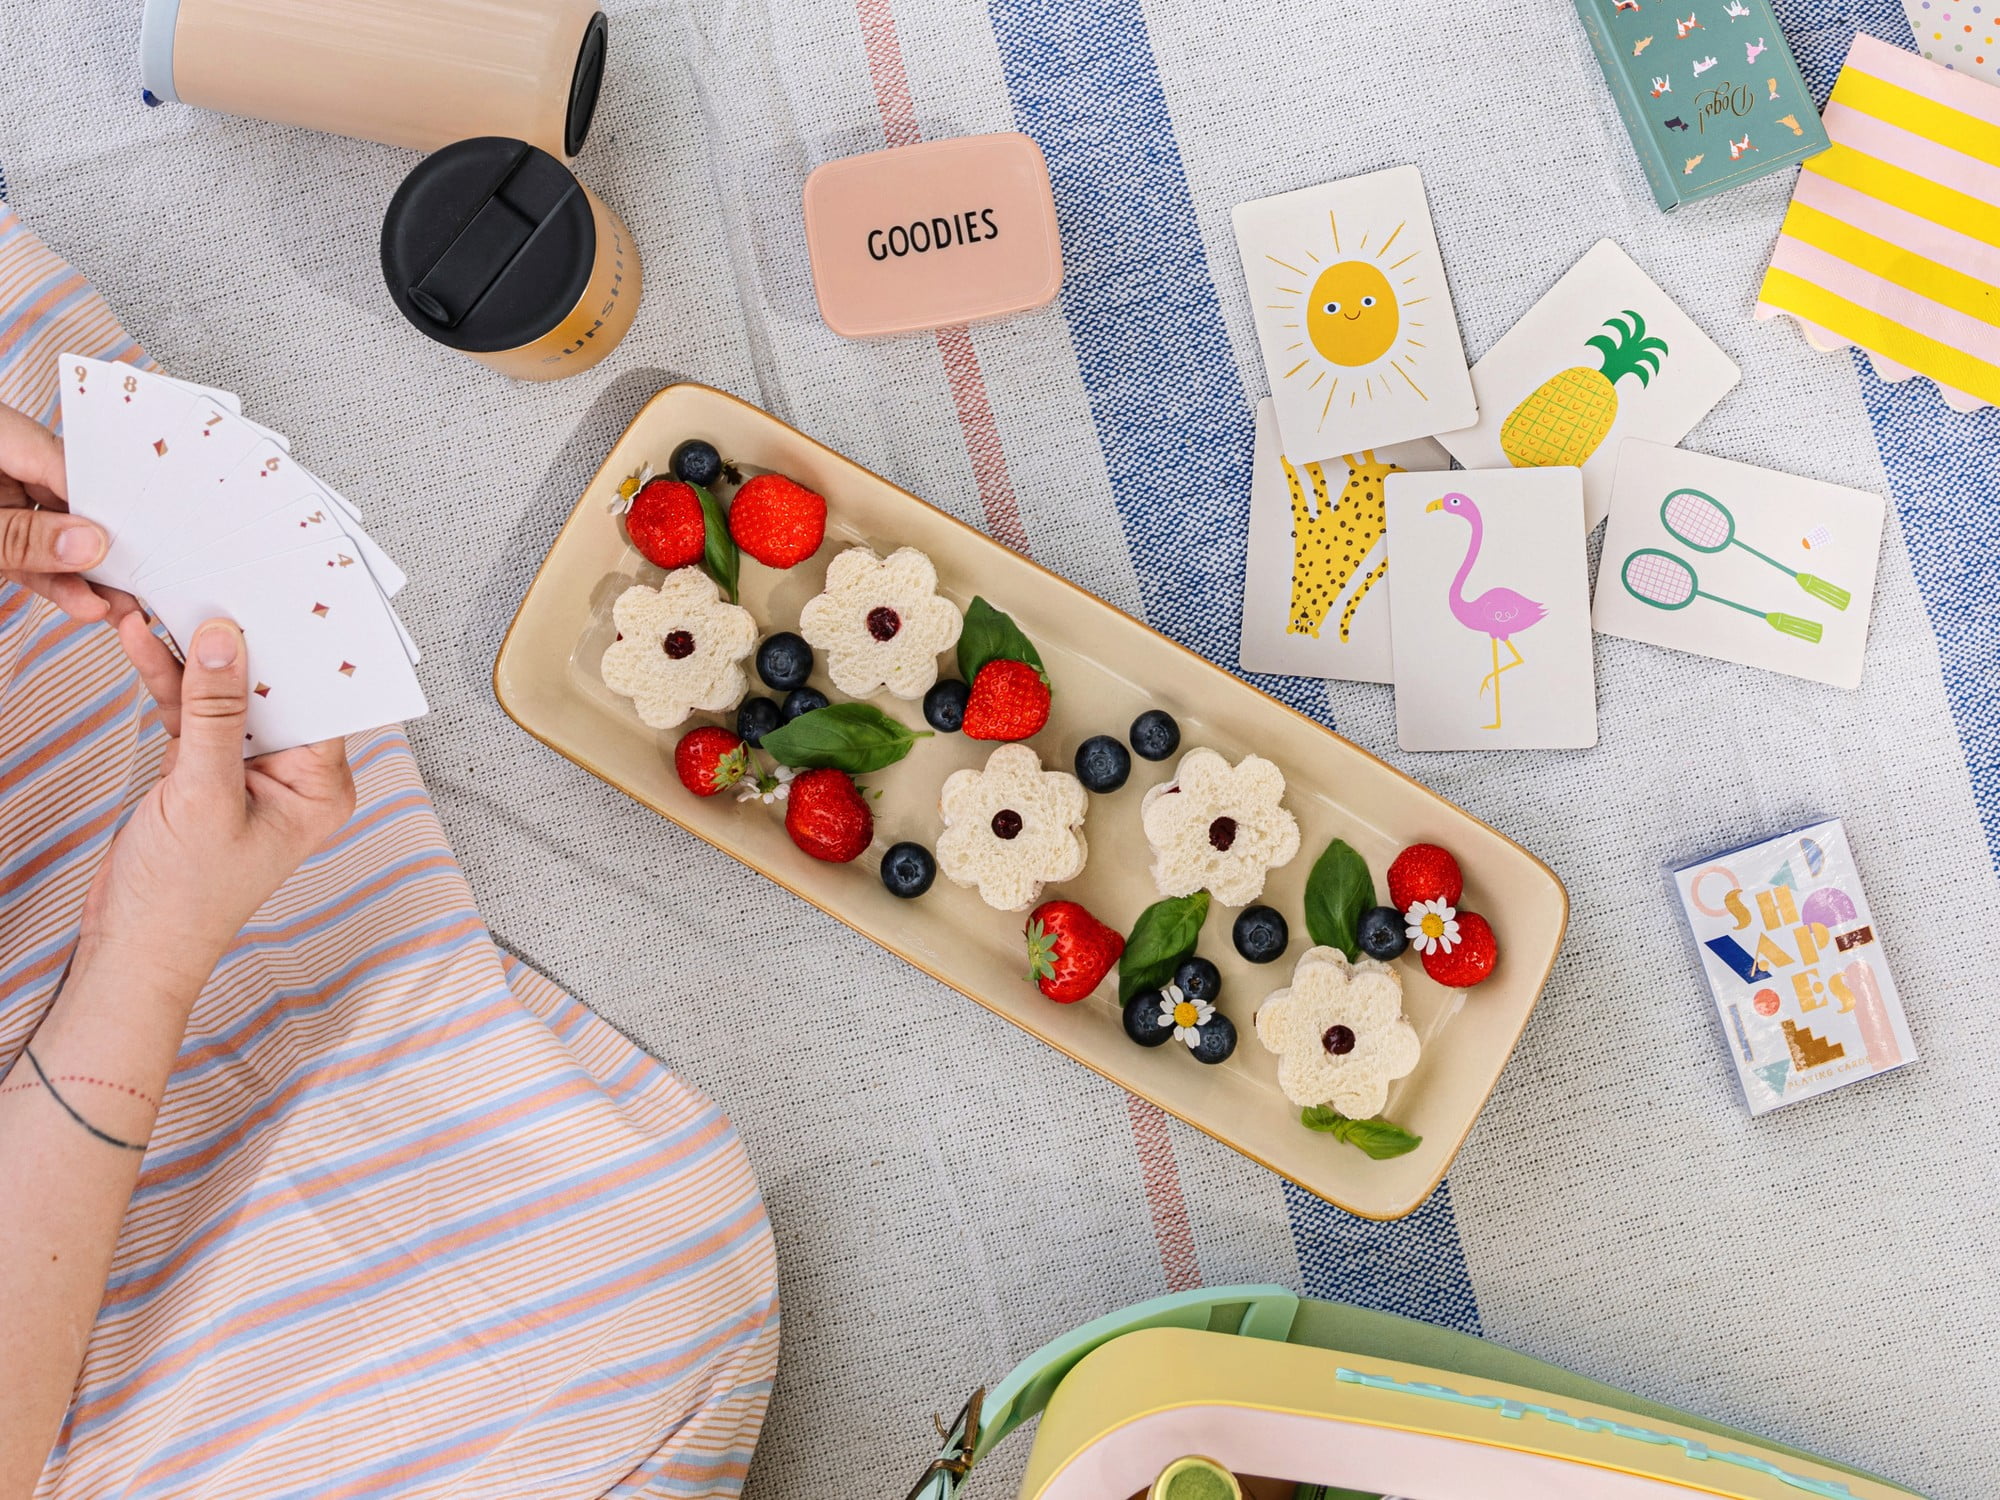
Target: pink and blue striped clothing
column 413, row 1221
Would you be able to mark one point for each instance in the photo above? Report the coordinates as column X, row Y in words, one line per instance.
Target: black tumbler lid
column 584, row 85
column 488, row 244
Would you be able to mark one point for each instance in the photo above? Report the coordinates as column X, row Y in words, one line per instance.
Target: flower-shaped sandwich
column 680, row 649
column 1339, row 1033
column 881, row 622
column 1219, row 827
column 1012, row 828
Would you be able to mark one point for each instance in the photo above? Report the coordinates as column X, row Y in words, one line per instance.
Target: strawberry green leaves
column 1338, row 891
column 851, row 737
column 990, row 635
column 1375, row 1138
column 1162, row 939
column 720, row 559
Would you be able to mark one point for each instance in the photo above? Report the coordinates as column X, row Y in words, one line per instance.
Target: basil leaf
column 720, row 559
column 850, row 737
column 1162, row 939
column 1379, row 1139
column 1338, row 891
column 990, row 635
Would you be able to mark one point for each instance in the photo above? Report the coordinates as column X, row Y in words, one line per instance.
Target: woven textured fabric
column 948, row 1193
column 412, row 1221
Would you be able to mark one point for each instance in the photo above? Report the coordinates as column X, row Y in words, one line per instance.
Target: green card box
column 1708, row 90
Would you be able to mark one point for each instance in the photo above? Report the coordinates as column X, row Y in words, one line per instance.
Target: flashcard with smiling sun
column 1354, row 315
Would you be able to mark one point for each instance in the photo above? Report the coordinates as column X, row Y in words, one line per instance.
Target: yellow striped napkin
column 1892, row 241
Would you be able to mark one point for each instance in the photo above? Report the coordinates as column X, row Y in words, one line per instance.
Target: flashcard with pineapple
column 1739, row 563
column 1604, row 356
column 1490, row 611
column 1354, row 315
column 1316, row 589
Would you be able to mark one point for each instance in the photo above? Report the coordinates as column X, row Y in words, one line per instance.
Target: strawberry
column 710, row 760
column 1010, row 701
column 1424, row 872
column 777, row 521
column 666, row 524
column 827, row 816
column 1069, row 950
column 1472, row 957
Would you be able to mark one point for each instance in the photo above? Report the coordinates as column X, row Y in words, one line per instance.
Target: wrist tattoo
column 70, row 1109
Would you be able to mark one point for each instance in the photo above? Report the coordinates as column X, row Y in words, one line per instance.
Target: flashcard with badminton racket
column 1490, row 605
column 1739, row 563
column 1605, row 355
column 1354, row 315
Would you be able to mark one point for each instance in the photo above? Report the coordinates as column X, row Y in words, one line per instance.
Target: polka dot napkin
column 1958, row 34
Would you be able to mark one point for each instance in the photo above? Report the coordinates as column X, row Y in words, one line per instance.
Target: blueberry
column 755, row 719
column 802, row 701
column 944, row 705
column 784, row 661
column 1155, row 735
column 1380, row 933
column 1142, row 1019
column 1102, row 764
column 1199, row 979
column 696, row 462
column 1261, row 934
column 908, row 870
column 1215, row 1040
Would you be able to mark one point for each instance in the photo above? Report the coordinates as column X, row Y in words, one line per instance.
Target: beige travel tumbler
column 493, row 248
column 420, row 73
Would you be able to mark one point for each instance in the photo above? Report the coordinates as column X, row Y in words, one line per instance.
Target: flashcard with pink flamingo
column 1490, row 611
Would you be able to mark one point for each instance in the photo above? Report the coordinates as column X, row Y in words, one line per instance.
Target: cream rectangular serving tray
column 1106, row 669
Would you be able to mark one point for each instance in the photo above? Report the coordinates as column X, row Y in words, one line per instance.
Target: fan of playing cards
column 209, row 515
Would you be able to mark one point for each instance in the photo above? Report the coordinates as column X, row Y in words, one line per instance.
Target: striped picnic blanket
column 413, row 1221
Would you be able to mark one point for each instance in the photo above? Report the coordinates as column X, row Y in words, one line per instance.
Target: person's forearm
column 75, row 1114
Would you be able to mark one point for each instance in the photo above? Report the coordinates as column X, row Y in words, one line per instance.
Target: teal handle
column 1805, row 630
column 1267, row 1313
column 1827, row 593
column 1256, row 1312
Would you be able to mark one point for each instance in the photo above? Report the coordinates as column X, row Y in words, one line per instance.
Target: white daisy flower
column 1184, row 1015
column 629, row 487
column 1433, row 927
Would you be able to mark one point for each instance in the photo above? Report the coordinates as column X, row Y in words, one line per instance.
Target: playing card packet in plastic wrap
column 1795, row 964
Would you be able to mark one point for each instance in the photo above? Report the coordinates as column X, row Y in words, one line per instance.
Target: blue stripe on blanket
column 1177, row 432
column 1943, row 466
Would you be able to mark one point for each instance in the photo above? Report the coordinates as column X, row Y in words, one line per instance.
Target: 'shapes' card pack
column 1795, row 963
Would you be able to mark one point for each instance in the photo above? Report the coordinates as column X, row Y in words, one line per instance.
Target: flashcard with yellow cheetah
column 1316, row 589
column 1354, row 315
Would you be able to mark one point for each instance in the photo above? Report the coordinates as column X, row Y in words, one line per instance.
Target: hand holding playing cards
column 218, row 833
column 41, row 548
column 209, row 516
